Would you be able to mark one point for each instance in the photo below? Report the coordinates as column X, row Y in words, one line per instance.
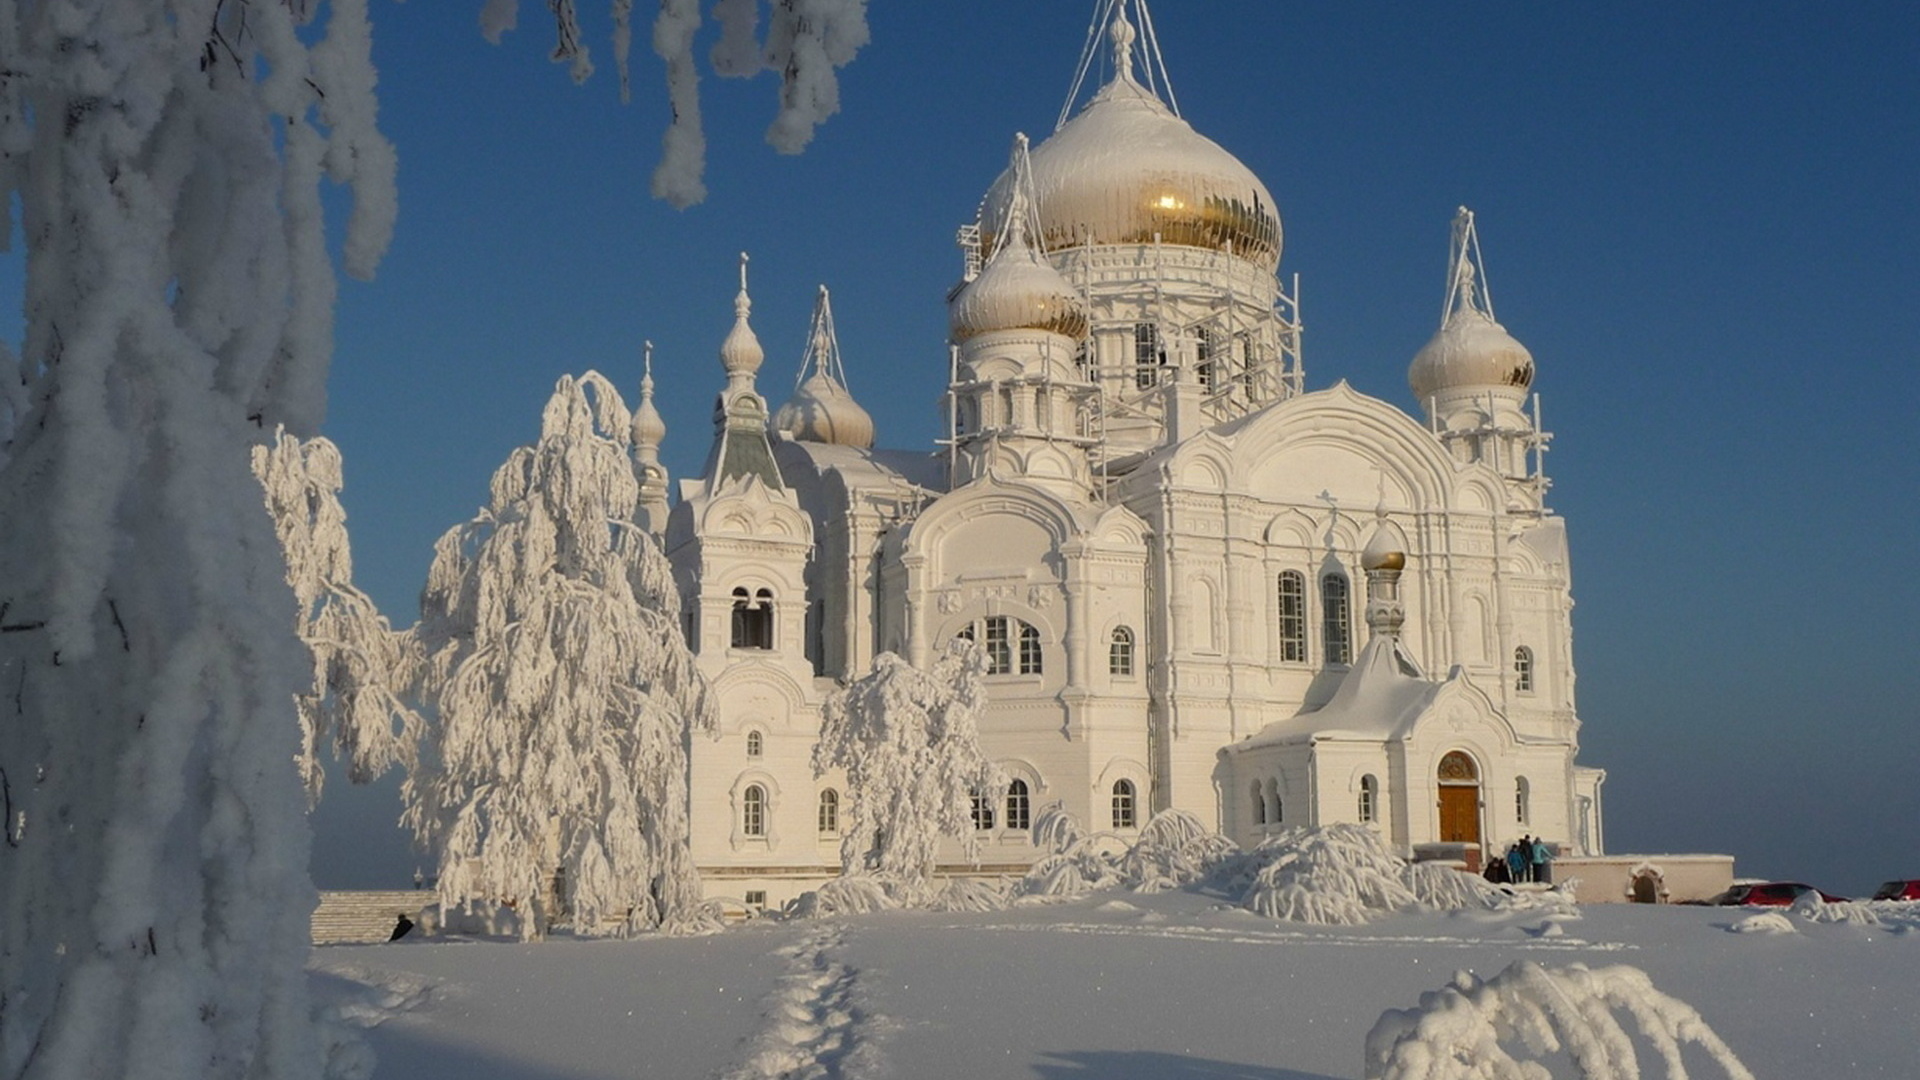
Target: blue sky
column 1701, row 219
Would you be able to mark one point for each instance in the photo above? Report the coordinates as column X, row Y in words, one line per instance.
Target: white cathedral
column 1198, row 584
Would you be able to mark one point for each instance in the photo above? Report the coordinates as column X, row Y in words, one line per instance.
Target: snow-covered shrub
column 1471, row 1029
column 1075, row 862
column 1175, row 849
column 971, row 894
column 848, row 894
column 556, row 774
column 1766, row 922
column 1852, row 912
column 1339, row 875
column 361, row 665
column 909, row 741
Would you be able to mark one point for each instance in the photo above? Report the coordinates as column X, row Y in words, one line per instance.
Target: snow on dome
column 1383, row 552
column 1018, row 289
column 1128, row 168
column 821, row 409
column 1471, row 351
column 741, row 354
column 649, row 428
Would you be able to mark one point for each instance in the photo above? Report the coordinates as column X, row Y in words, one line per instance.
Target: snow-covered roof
column 1380, row 697
column 862, row 467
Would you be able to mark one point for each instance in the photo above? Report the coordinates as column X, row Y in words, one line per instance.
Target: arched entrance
column 1459, row 781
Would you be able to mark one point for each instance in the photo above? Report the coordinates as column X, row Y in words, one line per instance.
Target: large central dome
column 1127, row 168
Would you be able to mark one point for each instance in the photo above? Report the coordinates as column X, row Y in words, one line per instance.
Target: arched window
column 1278, row 813
column 999, row 649
column 982, row 811
column 1019, row 806
column 1336, row 620
column 1258, row 804
column 1369, row 799
column 1146, row 355
column 1523, row 670
column 1125, row 815
column 753, row 811
column 1120, row 652
column 1029, row 649
column 1521, row 798
column 755, row 743
column 752, row 619
column 1293, row 617
column 829, row 816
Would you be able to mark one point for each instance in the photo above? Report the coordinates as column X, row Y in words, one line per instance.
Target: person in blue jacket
column 1518, row 862
column 1542, row 857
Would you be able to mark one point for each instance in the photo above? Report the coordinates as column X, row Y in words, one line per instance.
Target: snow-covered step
column 352, row 917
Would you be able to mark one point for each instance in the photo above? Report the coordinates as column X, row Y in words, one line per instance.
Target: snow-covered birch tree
column 909, row 741
column 563, row 691
column 361, row 665
column 167, row 157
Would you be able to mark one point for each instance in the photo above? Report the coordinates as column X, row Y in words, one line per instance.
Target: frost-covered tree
column 360, row 663
column 563, row 694
column 166, row 157
column 909, row 741
column 1502, row 1028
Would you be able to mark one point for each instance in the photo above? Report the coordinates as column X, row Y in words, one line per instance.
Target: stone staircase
column 345, row 918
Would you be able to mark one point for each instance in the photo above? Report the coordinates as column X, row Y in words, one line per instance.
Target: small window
column 756, row 901
column 752, row 619
column 1125, row 813
column 1337, row 620
column 999, row 649
column 753, row 811
column 1029, row 649
column 829, row 813
column 755, row 744
column 1019, row 806
column 1146, row 355
column 1258, row 803
column 1293, row 617
column 1369, row 799
column 1277, row 813
column 1523, row 670
column 1209, row 350
column 1120, row 652
column 1521, row 797
column 982, row 812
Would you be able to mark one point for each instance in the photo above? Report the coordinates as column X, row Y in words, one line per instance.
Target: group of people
column 1528, row 859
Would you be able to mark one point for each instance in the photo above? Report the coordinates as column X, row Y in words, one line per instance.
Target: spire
column 649, row 430
column 1467, row 284
column 741, row 354
column 821, row 409
column 1131, row 46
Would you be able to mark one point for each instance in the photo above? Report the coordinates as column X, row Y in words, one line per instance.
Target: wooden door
column 1460, row 813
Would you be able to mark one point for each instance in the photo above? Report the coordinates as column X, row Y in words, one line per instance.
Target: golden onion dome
column 1470, row 352
column 1017, row 290
column 1127, row 169
column 822, row 411
column 1383, row 552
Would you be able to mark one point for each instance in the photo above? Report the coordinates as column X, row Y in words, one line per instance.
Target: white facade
column 1200, row 585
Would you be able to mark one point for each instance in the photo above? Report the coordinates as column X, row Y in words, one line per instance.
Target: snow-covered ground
column 1115, row 986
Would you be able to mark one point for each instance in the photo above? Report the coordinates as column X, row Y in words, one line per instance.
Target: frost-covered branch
column 807, row 42
column 564, row 693
column 1500, row 1028
column 909, row 741
column 361, row 665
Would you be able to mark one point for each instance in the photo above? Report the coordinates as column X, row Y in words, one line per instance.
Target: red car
column 1772, row 894
column 1899, row 890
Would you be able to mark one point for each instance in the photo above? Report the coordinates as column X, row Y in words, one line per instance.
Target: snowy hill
column 1115, row 986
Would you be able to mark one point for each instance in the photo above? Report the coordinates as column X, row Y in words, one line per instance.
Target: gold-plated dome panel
column 1126, row 170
